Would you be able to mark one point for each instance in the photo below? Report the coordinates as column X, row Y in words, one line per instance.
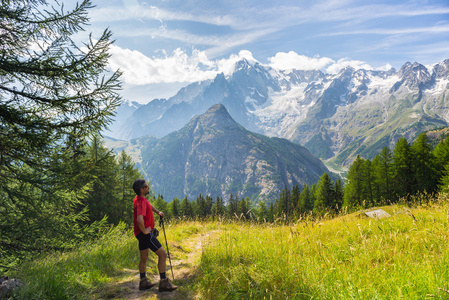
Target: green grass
column 405, row 256
column 79, row 273
column 90, row 271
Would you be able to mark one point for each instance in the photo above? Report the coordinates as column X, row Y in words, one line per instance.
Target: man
column 143, row 226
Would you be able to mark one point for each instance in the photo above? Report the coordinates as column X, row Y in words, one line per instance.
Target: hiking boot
column 166, row 286
column 145, row 284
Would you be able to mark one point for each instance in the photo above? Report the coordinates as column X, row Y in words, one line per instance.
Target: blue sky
column 163, row 45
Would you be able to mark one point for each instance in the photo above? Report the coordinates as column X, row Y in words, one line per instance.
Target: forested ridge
column 401, row 174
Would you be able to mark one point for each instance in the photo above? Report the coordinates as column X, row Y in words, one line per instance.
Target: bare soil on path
column 184, row 269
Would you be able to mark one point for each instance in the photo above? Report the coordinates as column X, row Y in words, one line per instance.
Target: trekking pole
column 161, row 223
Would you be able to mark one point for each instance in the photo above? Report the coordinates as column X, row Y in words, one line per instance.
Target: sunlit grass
column 405, row 256
column 88, row 271
column 350, row 257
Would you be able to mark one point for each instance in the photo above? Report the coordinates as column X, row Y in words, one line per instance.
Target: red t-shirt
column 143, row 207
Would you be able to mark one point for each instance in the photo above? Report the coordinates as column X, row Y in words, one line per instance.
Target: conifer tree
column 186, row 208
column 271, row 213
column 104, row 197
column 262, row 213
column 52, row 93
column 243, row 208
column 376, row 180
column 306, row 200
column 160, row 204
column 125, row 176
column 232, row 207
column 338, row 195
column 312, row 195
column 295, row 201
column 209, row 203
column 367, row 184
column 426, row 172
column 218, row 209
column 284, row 202
column 201, row 210
column 324, row 196
column 353, row 196
column 404, row 180
column 385, row 174
column 443, row 186
column 175, row 208
column 441, row 154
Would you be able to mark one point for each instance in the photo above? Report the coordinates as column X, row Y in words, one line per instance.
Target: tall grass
column 79, row 273
column 405, row 256
column 89, row 271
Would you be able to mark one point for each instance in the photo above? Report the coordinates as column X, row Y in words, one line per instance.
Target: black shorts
column 148, row 241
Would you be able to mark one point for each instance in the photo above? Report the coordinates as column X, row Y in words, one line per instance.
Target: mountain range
column 214, row 155
column 335, row 116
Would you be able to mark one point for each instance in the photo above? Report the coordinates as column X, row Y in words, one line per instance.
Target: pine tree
column 353, row 196
column 338, row 195
column 209, row 203
column 186, row 208
column 201, row 210
column 160, row 204
column 284, row 204
column 404, row 180
column 295, row 201
column 53, row 94
column 243, row 208
column 376, row 180
column 367, row 184
column 262, row 213
column 232, row 207
column 444, row 181
column 425, row 168
column 271, row 213
column 104, row 197
column 385, row 174
column 175, row 208
column 441, row 154
column 218, row 209
column 306, row 200
column 125, row 176
column 324, row 196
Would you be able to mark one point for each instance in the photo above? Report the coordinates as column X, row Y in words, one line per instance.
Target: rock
column 377, row 214
column 8, row 286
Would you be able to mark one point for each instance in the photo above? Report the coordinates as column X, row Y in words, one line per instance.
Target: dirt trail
column 184, row 271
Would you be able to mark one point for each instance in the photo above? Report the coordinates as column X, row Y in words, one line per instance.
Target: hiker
column 143, row 230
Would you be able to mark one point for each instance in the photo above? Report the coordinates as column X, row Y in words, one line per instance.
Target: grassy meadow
column 405, row 256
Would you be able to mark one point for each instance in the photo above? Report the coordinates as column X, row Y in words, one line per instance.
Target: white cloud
column 139, row 69
column 227, row 66
column 178, row 66
column 292, row 60
column 344, row 62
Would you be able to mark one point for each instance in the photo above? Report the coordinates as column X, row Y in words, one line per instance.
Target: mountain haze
column 215, row 155
column 335, row 116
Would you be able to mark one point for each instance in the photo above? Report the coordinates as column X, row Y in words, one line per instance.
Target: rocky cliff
column 215, row 155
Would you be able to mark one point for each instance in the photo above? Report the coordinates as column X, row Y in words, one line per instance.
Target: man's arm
column 141, row 224
column 156, row 211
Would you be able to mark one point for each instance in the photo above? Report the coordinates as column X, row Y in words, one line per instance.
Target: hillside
column 351, row 256
column 214, row 155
